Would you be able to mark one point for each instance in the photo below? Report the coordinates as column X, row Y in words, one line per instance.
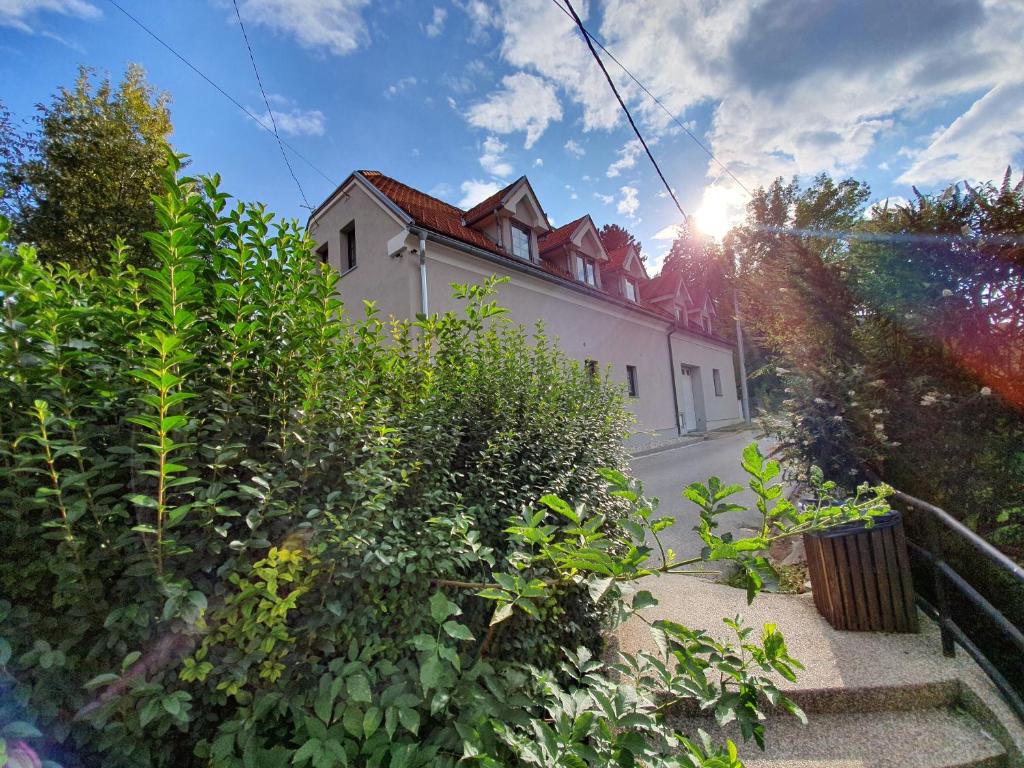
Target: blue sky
column 458, row 97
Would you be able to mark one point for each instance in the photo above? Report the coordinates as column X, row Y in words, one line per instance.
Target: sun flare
column 717, row 213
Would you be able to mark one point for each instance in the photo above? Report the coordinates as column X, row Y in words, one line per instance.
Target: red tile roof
column 560, row 236
column 430, row 212
column 617, row 257
column 481, row 209
column 446, row 219
column 661, row 284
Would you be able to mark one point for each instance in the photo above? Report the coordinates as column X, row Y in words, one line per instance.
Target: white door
column 687, row 411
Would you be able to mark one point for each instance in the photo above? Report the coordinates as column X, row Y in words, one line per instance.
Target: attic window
column 629, row 289
column 521, row 242
column 584, row 271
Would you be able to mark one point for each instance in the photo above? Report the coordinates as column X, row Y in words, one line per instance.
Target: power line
column 654, row 98
column 270, row 111
column 220, row 90
column 615, row 90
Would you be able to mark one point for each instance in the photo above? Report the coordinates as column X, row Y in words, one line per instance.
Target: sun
column 716, row 214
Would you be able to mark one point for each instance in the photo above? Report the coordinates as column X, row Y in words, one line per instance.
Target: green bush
column 244, row 529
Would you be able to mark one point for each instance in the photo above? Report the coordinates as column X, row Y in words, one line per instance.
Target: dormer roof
column 666, row 286
column 575, row 232
column 626, row 258
column 508, row 198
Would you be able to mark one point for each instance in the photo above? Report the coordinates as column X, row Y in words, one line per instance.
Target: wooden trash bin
column 860, row 576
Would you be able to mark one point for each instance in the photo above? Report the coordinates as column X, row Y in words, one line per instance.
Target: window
column 348, row 243
column 520, row 242
column 584, row 271
column 716, row 376
column 590, row 366
column 632, row 385
column 630, row 289
column 322, row 254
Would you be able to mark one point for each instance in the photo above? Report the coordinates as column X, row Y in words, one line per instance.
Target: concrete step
column 931, row 694
column 936, row 737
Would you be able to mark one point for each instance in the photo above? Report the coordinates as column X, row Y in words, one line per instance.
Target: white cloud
column 538, row 162
column 475, row 191
column 492, row 159
column 296, row 121
column 792, row 92
column 334, row 26
column 574, row 149
column 400, row 85
column 979, row 144
column 629, row 203
column 627, row 158
column 524, row 103
column 442, row 191
column 18, row 13
column 436, row 25
column 606, row 199
column 886, row 202
column 572, row 191
column 671, row 232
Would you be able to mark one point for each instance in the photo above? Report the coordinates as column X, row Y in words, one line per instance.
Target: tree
column 613, row 236
column 89, row 172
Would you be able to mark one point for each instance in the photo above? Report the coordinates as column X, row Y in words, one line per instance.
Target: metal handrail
column 994, row 554
column 942, row 573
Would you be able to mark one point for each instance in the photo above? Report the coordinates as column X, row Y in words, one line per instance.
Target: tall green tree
column 87, row 174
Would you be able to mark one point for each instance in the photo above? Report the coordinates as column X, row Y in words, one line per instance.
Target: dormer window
column 520, row 241
column 629, row 289
column 584, row 270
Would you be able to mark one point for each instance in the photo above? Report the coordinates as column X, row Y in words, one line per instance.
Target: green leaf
column 643, row 599
column 430, row 672
column 441, row 607
column 19, row 729
column 359, row 688
column 101, row 680
column 457, row 631
column 556, row 504
column 501, row 613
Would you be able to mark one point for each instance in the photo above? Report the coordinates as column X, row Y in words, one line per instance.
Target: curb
column 713, row 435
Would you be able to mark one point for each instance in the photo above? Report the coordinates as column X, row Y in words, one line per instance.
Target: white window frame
column 525, row 232
column 716, row 377
column 629, row 290
column 583, row 270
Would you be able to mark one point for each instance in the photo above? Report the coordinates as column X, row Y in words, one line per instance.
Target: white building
column 403, row 249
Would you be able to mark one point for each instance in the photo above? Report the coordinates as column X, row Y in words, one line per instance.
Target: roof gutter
column 528, row 268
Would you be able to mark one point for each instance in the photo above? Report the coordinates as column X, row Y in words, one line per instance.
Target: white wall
column 705, row 356
column 587, row 327
column 392, row 282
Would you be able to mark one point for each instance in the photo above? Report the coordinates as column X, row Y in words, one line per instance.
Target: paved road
column 665, row 474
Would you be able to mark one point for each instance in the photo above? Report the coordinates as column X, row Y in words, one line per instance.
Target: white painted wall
column 587, row 327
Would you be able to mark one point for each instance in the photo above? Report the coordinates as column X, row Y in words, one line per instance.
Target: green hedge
column 217, row 482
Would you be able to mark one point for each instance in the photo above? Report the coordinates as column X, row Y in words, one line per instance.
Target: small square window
column 716, row 376
column 590, row 366
column 348, row 244
column 520, row 242
column 632, row 384
column 323, row 254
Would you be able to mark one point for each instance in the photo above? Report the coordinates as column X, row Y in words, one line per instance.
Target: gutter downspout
column 672, row 370
column 424, row 303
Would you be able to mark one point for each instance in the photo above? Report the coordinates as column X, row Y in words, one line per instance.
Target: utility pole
column 743, row 358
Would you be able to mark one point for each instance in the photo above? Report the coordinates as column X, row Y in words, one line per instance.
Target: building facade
column 402, row 249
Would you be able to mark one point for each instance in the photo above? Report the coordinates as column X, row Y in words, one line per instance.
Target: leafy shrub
column 242, row 528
